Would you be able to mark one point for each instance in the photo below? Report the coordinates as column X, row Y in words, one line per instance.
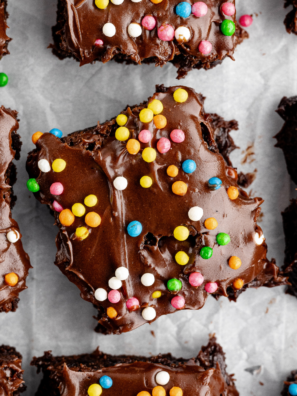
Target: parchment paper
column 260, row 329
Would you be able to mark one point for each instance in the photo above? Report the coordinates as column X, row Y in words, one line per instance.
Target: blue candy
column 214, row 183
column 183, row 9
column 189, row 166
column 134, row 228
column 293, row 389
column 56, row 132
column 105, row 382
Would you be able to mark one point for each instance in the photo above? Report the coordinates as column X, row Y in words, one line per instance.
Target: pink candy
column 228, row 9
column 211, row 287
column 99, row 43
column 132, row 304
column 148, row 22
column 163, row 145
column 166, row 33
column 196, row 279
column 177, row 136
column 57, row 206
column 56, row 188
column 145, row 136
column 245, row 20
column 178, row 302
column 205, row 47
column 114, row 296
column 199, row 9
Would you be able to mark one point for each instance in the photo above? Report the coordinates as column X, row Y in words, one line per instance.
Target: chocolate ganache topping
column 4, row 39
column 141, row 247
column 189, row 35
column 11, row 373
column 15, row 262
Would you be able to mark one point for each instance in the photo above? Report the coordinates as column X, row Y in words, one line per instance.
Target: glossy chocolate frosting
column 11, row 373
column 80, row 24
column 12, row 255
column 4, row 39
column 95, row 158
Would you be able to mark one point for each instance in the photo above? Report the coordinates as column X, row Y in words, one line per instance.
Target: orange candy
column 156, row 1
column 160, row 121
column 176, row 391
column 159, row 391
column 179, row 188
column 143, row 393
column 234, row 262
column 211, row 223
column 172, row 171
column 66, row 217
column 233, row 193
column 11, row 279
column 36, row 136
column 133, row 146
column 92, row 219
column 111, row 313
column 238, row 283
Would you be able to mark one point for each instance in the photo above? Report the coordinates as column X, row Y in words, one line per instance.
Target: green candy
column 228, row 27
column 3, row 79
column 206, row 252
column 32, row 185
column 223, row 239
column 174, row 285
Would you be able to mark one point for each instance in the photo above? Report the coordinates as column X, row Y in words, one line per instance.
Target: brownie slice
column 80, row 34
column 291, row 19
column 4, row 39
column 140, row 272
column 15, row 262
column 205, row 374
column 291, row 380
column 11, row 373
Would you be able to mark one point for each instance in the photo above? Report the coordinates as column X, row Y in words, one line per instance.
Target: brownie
column 291, row 19
column 80, row 25
column 132, row 255
column 73, row 375
column 11, row 373
column 4, row 39
column 291, row 380
column 15, row 262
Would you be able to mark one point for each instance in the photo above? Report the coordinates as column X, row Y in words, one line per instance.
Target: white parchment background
column 260, row 329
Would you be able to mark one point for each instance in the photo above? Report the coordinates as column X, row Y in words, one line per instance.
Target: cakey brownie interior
column 290, row 386
column 291, row 19
column 11, row 373
column 136, row 375
column 15, row 262
column 4, row 39
column 191, row 35
column 151, row 218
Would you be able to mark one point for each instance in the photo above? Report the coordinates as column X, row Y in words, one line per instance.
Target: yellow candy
column 78, row 209
column 158, row 391
column 121, row 119
column 180, row 95
column 82, row 232
column 181, row 233
column 94, row 390
column 172, row 171
column 91, row 200
column 58, row 165
column 182, row 258
column 133, row 146
column 157, row 294
column 122, row 134
column 101, row 4
column 156, row 106
column 149, row 154
column 146, row 115
column 146, row 181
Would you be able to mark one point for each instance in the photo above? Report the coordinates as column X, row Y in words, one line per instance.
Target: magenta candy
column 228, row 9
column 132, row 304
column 166, row 33
column 57, row 206
column 178, row 302
column 148, row 22
column 245, row 20
column 145, row 136
column 177, row 136
column 114, row 296
column 199, row 9
column 205, row 47
column 211, row 287
column 163, row 145
column 196, row 279
column 56, row 188
column 99, row 42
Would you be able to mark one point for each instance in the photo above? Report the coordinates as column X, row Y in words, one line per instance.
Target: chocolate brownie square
column 11, row 373
column 291, row 19
column 4, row 39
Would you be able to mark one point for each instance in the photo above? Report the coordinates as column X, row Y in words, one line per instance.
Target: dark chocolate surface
column 11, row 373
column 291, row 19
column 4, row 39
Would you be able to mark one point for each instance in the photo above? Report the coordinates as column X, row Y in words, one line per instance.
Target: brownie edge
column 291, row 18
column 11, row 373
column 4, row 39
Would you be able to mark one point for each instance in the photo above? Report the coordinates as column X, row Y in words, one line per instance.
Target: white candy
column 134, row 30
column 122, row 273
column 109, row 29
column 117, row 2
column 101, row 294
column 195, row 213
column 136, row 1
column 182, row 34
column 259, row 239
column 44, row 165
column 120, row 183
column 13, row 236
column 148, row 279
column 149, row 313
column 162, row 378
column 114, row 283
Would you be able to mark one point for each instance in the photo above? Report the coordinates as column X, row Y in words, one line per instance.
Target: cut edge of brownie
column 10, row 354
column 6, row 15
column 291, row 18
